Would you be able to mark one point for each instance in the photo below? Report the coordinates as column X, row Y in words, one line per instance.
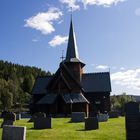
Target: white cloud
column 129, row 78
column 137, row 12
column 71, row 4
column 75, row 3
column 102, row 67
column 106, row 3
column 43, row 21
column 58, row 40
column 122, row 68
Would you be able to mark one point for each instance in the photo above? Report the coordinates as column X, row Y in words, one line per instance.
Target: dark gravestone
column 7, row 122
column 8, row 119
column 113, row 114
column 13, row 133
column 132, row 108
column 102, row 117
column 3, row 113
column 25, row 115
column 42, row 123
column 78, row 116
column 91, row 123
column 132, row 121
column 37, row 115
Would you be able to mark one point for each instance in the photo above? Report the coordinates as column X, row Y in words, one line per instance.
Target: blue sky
column 34, row 33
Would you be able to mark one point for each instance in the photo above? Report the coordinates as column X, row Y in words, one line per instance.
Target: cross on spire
column 62, row 57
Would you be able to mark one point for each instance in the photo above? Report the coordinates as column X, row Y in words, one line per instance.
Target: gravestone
column 102, row 117
column 42, row 123
column 25, row 115
column 3, row 113
column 18, row 116
column 132, row 108
column 113, row 114
column 132, row 121
column 36, row 115
column 8, row 119
column 13, row 133
column 78, row 116
column 91, row 123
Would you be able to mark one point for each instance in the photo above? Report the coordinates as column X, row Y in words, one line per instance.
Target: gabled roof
column 96, row 82
column 41, row 84
column 48, row 99
column 67, row 97
column 91, row 82
column 74, row 98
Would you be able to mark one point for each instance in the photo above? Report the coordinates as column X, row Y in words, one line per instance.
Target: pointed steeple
column 72, row 50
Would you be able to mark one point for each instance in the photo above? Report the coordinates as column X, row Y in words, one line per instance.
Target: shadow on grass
column 84, row 130
column 39, row 129
column 74, row 122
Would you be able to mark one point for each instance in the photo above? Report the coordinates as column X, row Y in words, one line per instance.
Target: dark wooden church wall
column 99, row 102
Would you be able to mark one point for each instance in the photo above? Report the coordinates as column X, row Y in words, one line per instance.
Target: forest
column 16, row 83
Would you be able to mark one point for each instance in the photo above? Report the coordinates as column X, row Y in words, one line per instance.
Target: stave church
column 70, row 89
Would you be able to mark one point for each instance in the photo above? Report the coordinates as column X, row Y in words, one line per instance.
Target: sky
column 35, row 32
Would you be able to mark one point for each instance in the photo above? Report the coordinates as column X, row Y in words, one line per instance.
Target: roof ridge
column 95, row 73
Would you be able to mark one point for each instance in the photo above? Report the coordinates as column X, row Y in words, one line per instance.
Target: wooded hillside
column 16, row 83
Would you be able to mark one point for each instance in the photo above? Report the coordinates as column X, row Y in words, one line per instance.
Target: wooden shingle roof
column 96, row 82
column 67, row 97
column 91, row 82
column 41, row 84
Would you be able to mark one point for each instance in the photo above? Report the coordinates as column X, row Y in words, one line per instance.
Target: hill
column 16, row 82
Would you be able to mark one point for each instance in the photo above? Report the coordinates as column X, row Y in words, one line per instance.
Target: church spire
column 72, row 50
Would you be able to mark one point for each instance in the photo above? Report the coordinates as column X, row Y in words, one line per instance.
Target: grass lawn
column 114, row 129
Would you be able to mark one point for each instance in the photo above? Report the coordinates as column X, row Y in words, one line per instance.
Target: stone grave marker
column 36, row 115
column 113, row 114
column 13, row 133
column 3, row 113
column 25, row 115
column 132, row 108
column 42, row 123
column 18, row 116
column 102, row 117
column 132, row 121
column 91, row 123
column 78, row 116
column 8, row 119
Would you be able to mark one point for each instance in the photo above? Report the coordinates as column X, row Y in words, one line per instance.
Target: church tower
column 72, row 64
column 72, row 56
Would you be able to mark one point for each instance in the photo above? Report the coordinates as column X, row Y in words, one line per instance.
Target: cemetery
column 74, row 127
column 63, row 129
column 72, row 105
column 69, row 104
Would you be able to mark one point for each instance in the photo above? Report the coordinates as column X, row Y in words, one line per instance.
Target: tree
column 118, row 101
column 28, row 83
column 16, row 83
column 6, row 99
